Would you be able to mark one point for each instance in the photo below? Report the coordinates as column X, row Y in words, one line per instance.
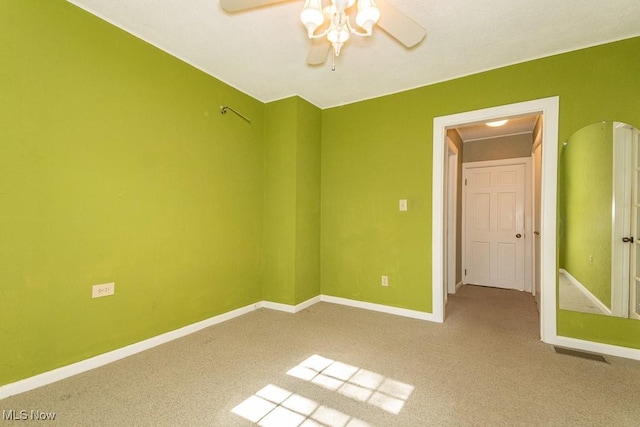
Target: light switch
column 403, row 205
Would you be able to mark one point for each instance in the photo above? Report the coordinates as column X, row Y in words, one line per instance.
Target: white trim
column 308, row 303
column 459, row 285
column 622, row 191
column 596, row 347
column 594, row 299
column 452, row 215
column 535, row 212
column 404, row 312
column 549, row 108
column 287, row 308
column 61, row 373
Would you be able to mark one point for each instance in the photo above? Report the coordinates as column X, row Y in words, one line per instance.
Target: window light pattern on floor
column 354, row 382
column 276, row 407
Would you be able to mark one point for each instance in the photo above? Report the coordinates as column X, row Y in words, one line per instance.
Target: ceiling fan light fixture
column 312, row 16
column 337, row 13
column 338, row 35
column 497, row 123
column 368, row 15
column 333, row 24
column 343, row 4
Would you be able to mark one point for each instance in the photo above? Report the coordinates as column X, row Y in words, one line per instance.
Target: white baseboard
column 103, row 359
column 278, row 306
column 603, row 308
column 414, row 314
column 290, row 308
column 308, row 303
column 348, row 302
column 458, row 285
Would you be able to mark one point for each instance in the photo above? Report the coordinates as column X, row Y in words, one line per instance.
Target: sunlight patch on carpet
column 273, row 406
column 354, row 382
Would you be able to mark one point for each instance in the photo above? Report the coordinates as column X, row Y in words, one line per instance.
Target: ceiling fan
column 331, row 26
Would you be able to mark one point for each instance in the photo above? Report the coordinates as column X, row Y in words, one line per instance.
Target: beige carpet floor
column 335, row 365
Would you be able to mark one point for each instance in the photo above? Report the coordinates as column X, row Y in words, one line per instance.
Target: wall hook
column 224, row 109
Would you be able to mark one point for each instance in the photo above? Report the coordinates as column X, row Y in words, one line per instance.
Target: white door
column 494, row 226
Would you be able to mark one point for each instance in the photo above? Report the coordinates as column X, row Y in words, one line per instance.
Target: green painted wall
column 378, row 151
column 291, row 236
column 116, row 165
column 279, row 222
column 308, row 201
column 375, row 153
column 586, row 167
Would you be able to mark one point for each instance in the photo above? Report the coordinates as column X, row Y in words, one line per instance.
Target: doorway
column 547, row 107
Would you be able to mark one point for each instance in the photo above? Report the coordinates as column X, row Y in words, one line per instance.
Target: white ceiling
column 262, row 52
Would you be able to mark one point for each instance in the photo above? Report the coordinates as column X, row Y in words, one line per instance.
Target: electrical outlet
column 385, row 280
column 402, row 205
column 590, row 259
column 103, row 290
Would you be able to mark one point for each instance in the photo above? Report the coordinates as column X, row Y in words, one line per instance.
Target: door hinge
column 465, row 271
column 465, row 181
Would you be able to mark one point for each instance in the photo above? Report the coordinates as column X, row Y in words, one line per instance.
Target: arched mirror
column 599, row 220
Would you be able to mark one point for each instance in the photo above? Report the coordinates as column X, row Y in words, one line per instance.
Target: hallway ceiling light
column 497, row 123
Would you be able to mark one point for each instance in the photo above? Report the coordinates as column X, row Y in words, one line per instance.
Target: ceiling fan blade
column 399, row 26
column 318, row 51
column 238, row 5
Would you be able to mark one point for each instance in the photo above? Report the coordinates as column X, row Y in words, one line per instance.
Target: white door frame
column 549, row 108
column 452, row 215
column 535, row 180
column 528, row 212
column 623, row 171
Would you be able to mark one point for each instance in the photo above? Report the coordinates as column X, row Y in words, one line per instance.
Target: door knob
column 518, row 235
column 627, row 239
